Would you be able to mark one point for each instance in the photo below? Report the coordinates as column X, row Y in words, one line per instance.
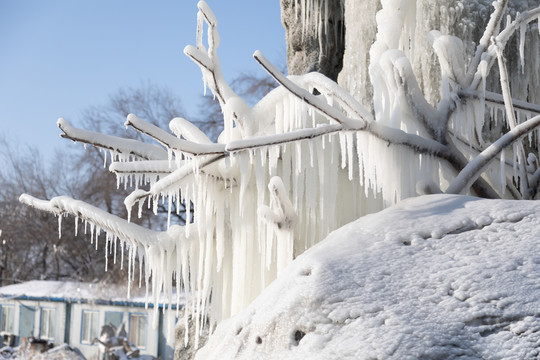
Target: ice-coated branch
column 143, row 167
column 110, row 223
column 489, row 32
column 501, row 39
column 474, row 168
column 495, row 98
column 171, row 180
column 172, row 142
column 522, row 19
column 276, row 139
column 207, row 67
column 208, row 61
column 120, row 145
column 307, row 97
column 331, row 89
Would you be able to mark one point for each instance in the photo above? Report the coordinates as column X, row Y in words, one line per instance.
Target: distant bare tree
column 30, row 247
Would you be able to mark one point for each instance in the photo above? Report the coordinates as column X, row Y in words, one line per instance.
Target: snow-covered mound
column 434, row 277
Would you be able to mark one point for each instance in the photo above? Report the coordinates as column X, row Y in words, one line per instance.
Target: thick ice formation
column 437, row 276
column 296, row 166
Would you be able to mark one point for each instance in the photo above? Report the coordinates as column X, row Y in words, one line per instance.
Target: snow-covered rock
column 439, row 276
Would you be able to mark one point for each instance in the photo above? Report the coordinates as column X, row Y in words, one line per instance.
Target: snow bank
column 439, row 276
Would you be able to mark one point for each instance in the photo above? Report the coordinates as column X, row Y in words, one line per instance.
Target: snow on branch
column 170, row 141
column 64, row 205
column 116, row 144
column 142, row 167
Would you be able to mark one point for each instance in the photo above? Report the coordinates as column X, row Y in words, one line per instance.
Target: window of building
column 27, row 318
column 115, row 318
column 46, row 324
column 90, row 326
column 7, row 317
column 137, row 329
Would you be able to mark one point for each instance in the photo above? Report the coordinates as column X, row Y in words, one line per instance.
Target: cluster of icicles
column 226, row 250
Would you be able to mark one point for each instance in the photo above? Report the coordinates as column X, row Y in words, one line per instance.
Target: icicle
column 502, row 172
column 141, row 273
column 169, row 209
column 98, row 231
column 76, row 225
column 350, row 143
column 522, row 30
column 60, row 226
column 310, row 143
column 106, row 257
column 122, row 242
column 115, row 243
column 342, row 143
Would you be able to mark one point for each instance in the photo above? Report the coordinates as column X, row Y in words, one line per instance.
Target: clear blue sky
column 58, row 57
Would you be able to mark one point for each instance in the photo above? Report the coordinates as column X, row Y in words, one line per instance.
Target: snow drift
column 439, row 276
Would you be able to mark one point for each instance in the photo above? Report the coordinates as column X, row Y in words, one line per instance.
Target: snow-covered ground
column 434, row 277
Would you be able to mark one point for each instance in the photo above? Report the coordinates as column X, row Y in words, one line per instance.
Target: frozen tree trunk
column 314, row 32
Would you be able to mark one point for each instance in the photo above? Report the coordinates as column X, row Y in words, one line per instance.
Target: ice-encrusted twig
column 110, row 223
column 208, row 61
column 501, row 39
column 489, row 32
column 307, row 97
column 474, row 168
column 172, row 142
column 512, row 121
column 495, row 98
column 169, row 181
column 329, row 87
column 143, row 167
column 120, row 145
column 276, row 139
